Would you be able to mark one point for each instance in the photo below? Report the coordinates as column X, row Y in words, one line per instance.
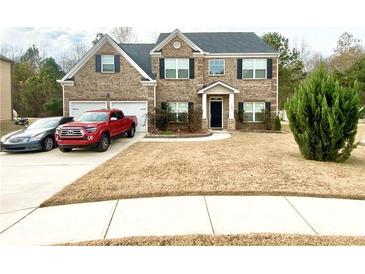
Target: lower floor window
column 254, row 111
column 178, row 111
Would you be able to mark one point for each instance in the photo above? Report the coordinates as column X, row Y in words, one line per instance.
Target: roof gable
column 169, row 36
column 226, row 87
column 95, row 48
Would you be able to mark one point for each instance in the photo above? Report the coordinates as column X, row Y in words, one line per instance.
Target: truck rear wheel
column 131, row 131
column 103, row 143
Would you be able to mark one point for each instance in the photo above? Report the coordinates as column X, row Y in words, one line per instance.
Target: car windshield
column 45, row 123
column 93, row 117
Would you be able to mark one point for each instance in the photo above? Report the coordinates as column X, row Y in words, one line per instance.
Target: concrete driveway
column 27, row 179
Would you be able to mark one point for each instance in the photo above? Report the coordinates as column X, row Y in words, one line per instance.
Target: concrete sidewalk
column 182, row 215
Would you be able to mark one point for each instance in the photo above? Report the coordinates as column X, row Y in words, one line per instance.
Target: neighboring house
column 219, row 74
column 6, row 111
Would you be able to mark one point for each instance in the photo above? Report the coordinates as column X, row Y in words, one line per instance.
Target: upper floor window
column 216, row 67
column 107, row 63
column 176, row 68
column 254, row 68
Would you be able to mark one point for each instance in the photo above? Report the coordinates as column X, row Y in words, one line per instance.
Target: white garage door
column 138, row 109
column 77, row 107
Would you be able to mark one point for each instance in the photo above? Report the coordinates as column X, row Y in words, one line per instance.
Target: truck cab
column 95, row 128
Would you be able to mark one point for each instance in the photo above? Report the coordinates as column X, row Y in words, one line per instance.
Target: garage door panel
column 138, row 109
column 78, row 108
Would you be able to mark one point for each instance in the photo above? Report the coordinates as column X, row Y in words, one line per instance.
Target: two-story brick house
column 217, row 73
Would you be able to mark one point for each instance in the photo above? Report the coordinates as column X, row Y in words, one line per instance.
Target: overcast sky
column 56, row 41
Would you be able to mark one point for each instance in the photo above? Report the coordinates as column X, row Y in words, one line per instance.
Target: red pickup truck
column 95, row 129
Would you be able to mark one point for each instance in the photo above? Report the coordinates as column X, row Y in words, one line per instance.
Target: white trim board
column 215, row 99
column 178, row 33
column 241, row 55
column 94, row 49
column 218, row 83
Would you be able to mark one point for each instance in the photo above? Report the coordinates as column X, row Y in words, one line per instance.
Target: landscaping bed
column 230, row 240
column 179, row 133
column 246, row 164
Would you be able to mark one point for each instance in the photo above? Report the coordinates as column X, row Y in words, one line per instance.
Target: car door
column 123, row 122
column 114, row 123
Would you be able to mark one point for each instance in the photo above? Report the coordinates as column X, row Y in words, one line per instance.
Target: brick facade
column 178, row 90
column 126, row 85
column 95, row 86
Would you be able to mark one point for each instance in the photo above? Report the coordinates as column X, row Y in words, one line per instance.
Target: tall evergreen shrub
column 323, row 117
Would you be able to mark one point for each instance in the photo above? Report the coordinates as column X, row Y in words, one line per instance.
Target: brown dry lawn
column 230, row 240
column 248, row 163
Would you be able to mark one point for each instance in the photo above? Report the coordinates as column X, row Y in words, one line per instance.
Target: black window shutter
column 163, row 105
column 190, row 107
column 269, row 68
column 116, row 63
column 239, row 68
column 240, row 107
column 268, row 107
column 240, row 111
column 162, row 68
column 191, row 68
column 98, row 63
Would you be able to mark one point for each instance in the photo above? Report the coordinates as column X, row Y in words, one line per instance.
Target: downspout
column 277, row 85
column 63, row 100
column 154, row 103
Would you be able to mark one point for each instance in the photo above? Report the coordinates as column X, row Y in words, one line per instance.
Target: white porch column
column 231, row 106
column 204, row 106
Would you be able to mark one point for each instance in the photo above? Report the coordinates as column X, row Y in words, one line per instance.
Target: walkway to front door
column 216, row 114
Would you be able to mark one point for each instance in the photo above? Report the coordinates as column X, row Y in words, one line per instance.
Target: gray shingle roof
column 226, row 42
column 140, row 53
column 213, row 42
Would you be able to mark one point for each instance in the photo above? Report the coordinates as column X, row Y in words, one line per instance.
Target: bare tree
column 347, row 52
column 12, row 52
column 124, row 34
column 68, row 59
column 314, row 60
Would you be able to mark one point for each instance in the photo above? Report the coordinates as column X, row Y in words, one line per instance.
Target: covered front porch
column 218, row 106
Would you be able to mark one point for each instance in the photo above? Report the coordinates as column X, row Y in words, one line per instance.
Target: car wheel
column 48, row 144
column 131, row 132
column 103, row 143
column 63, row 149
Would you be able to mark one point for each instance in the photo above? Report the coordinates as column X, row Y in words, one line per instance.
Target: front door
column 216, row 114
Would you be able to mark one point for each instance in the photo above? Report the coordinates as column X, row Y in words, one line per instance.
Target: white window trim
column 215, row 99
column 254, row 70
column 103, row 63
column 254, row 111
column 224, row 67
column 177, row 109
column 177, row 68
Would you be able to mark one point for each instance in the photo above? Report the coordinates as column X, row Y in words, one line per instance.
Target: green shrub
column 277, row 123
column 323, row 117
column 161, row 119
column 194, row 120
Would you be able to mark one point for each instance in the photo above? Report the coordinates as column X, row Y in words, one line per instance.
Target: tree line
column 347, row 63
column 37, row 94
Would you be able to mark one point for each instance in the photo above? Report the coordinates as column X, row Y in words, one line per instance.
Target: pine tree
column 323, row 117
